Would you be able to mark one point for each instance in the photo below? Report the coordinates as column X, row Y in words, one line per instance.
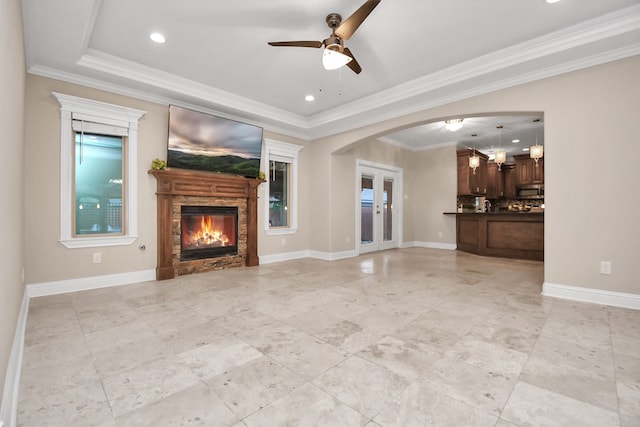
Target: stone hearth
column 179, row 187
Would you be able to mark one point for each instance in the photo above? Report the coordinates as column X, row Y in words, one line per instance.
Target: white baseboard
column 596, row 296
column 88, row 283
column 333, row 256
column 432, row 245
column 9, row 408
column 286, row 256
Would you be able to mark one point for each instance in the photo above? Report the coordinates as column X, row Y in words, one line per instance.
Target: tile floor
column 412, row 337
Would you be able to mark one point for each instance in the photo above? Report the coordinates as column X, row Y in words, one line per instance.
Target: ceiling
column 415, row 54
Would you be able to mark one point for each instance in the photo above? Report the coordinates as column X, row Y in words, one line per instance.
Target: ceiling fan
column 335, row 55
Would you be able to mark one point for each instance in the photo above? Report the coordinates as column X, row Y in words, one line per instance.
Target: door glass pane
column 366, row 210
column 387, row 209
column 98, row 184
column 279, row 194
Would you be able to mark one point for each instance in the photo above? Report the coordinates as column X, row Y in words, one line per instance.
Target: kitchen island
column 501, row 234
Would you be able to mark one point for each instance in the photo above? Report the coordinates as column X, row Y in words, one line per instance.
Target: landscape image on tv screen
column 205, row 142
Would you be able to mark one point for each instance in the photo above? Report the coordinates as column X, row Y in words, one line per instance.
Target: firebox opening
column 208, row 232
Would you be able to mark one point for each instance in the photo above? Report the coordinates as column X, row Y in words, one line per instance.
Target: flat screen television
column 209, row 143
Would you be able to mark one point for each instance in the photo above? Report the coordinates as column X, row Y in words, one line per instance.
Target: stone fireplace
column 206, row 221
column 208, row 232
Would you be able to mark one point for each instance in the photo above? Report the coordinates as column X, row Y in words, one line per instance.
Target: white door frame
column 363, row 166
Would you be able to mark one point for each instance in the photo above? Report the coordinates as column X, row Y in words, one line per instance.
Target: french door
column 379, row 212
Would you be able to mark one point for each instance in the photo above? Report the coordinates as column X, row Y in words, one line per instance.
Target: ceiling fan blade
column 297, row 44
column 351, row 24
column 353, row 64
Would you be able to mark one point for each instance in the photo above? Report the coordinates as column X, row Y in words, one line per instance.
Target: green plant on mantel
column 261, row 175
column 158, row 164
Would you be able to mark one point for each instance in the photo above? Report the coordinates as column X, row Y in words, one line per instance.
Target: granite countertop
column 495, row 213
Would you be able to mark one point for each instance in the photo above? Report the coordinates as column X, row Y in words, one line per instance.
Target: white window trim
column 288, row 152
column 74, row 108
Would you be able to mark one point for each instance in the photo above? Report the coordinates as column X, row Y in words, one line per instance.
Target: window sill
column 93, row 242
column 280, row 231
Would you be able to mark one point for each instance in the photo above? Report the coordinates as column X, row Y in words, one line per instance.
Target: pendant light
column 474, row 161
column 500, row 154
column 537, row 151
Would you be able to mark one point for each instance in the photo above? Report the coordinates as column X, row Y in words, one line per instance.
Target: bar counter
column 501, row 234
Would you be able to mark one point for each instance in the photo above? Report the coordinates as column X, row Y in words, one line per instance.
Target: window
column 98, row 183
column 98, row 178
column 282, row 176
column 279, row 176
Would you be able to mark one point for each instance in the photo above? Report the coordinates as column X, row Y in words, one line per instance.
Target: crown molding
column 417, row 95
column 606, row 26
column 370, row 116
column 150, row 96
column 129, row 70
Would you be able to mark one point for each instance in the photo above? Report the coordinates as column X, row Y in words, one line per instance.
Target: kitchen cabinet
column 470, row 183
column 505, row 235
column 509, row 181
column 501, row 183
column 527, row 171
column 495, row 182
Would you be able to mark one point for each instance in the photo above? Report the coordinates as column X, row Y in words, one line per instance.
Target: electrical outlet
column 97, row 257
column 605, row 267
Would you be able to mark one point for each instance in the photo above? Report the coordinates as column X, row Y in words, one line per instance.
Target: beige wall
column 49, row 261
column 343, row 180
column 591, row 150
column 278, row 244
column 46, row 259
column 593, row 175
column 12, row 84
column 578, row 108
column 434, row 186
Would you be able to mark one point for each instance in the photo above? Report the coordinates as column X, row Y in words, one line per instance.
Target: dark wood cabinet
column 505, row 235
column 538, row 172
column 528, row 171
column 495, row 182
column 501, row 182
column 470, row 183
column 509, row 181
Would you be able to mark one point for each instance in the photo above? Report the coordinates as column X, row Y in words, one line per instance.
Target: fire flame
column 208, row 234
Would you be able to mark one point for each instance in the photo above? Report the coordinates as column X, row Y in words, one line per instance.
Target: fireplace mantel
column 176, row 184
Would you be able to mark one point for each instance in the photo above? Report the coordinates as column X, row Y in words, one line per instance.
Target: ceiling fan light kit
column 333, row 59
column 335, row 55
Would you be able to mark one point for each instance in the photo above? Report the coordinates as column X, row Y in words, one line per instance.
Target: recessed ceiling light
column 515, row 141
column 525, row 149
column 309, row 98
column 552, row 1
column 157, row 37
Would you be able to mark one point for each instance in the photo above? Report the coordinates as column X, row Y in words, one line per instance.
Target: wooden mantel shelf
column 174, row 183
column 182, row 182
